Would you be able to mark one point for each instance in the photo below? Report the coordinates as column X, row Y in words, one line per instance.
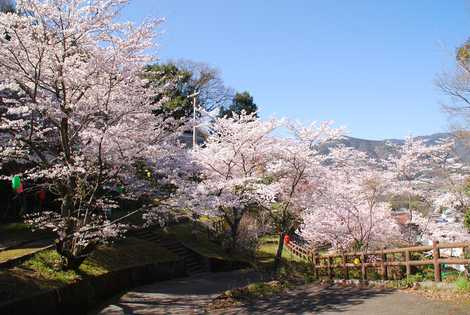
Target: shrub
column 409, row 281
column 462, row 284
column 255, row 290
column 466, row 220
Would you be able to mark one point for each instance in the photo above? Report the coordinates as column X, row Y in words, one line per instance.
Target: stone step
column 194, row 267
column 170, row 242
column 192, row 262
column 153, row 238
column 173, row 248
column 195, row 271
column 190, row 259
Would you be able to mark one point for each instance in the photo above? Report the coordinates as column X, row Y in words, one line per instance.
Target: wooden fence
column 299, row 251
column 380, row 259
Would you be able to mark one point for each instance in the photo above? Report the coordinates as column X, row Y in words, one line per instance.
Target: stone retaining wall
column 80, row 297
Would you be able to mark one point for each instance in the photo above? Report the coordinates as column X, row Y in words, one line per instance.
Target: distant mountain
column 379, row 149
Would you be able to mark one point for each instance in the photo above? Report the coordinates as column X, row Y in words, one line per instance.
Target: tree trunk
column 70, row 259
column 233, row 218
column 280, row 247
column 72, row 263
column 234, row 233
column 67, row 206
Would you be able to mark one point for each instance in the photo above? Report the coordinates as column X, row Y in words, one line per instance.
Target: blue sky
column 367, row 65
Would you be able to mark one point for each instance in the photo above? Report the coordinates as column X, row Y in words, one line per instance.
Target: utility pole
column 194, row 116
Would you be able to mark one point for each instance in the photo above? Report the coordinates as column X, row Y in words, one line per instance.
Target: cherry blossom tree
column 77, row 112
column 231, row 169
column 440, row 229
column 352, row 211
column 411, row 166
column 433, row 174
column 297, row 176
column 451, row 177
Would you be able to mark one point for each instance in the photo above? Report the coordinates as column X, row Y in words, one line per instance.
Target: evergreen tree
column 241, row 101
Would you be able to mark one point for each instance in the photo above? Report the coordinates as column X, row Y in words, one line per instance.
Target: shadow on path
column 179, row 296
column 192, row 296
column 316, row 299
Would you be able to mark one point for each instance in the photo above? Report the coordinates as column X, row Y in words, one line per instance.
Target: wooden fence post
column 314, row 262
column 437, row 265
column 340, row 260
column 384, row 271
column 329, row 268
column 363, row 267
column 345, row 268
column 407, row 262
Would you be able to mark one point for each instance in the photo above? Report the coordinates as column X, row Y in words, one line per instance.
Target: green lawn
column 293, row 270
column 42, row 272
column 16, row 253
column 268, row 248
column 200, row 243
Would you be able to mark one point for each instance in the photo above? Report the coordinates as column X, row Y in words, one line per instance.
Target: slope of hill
column 380, row 149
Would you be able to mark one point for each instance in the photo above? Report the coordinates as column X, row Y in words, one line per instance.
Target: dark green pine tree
column 241, row 101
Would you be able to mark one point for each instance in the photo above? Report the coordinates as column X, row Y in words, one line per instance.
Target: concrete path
column 191, row 295
column 179, row 296
column 336, row 300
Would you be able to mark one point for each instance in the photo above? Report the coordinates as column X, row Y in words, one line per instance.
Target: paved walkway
column 190, row 295
column 179, row 296
column 336, row 300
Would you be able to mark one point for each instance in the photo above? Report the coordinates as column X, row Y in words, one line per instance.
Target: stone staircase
column 192, row 261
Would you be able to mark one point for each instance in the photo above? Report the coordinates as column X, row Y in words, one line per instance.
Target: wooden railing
column 299, row 250
column 380, row 259
column 218, row 226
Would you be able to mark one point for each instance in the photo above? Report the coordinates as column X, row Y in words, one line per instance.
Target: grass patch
column 15, row 253
column 462, row 284
column 267, row 251
column 208, row 249
column 293, row 270
column 249, row 293
column 256, row 290
column 269, row 239
column 46, row 265
column 42, row 271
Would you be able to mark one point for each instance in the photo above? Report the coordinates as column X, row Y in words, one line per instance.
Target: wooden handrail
column 328, row 261
column 422, row 248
